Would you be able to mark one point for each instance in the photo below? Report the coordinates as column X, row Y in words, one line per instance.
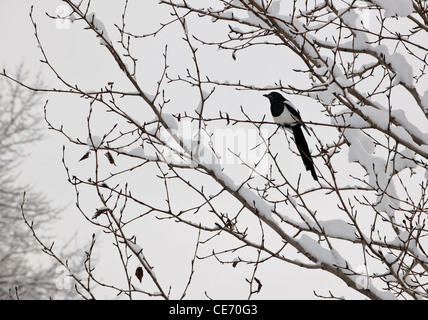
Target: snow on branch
column 191, row 148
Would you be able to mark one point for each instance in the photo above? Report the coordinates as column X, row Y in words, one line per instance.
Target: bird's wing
column 296, row 115
column 290, row 107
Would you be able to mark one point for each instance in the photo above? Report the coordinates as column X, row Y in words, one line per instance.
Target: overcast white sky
column 68, row 48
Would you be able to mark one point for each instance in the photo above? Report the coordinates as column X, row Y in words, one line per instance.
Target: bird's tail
column 302, row 145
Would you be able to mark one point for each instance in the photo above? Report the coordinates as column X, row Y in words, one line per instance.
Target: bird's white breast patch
column 285, row 118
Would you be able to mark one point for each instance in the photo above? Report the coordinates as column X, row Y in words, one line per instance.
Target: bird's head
column 274, row 97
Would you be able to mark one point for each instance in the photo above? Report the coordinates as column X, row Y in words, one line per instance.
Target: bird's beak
column 266, row 95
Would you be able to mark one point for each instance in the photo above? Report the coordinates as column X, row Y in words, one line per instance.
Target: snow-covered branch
column 201, row 150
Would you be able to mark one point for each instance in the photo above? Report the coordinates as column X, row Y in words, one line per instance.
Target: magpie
column 286, row 115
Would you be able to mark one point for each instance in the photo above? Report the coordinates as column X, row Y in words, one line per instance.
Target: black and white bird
column 286, row 115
